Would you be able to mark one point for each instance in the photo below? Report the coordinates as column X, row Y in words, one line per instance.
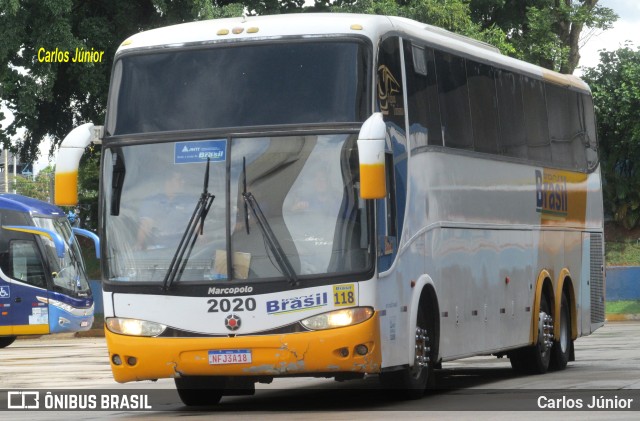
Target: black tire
column 535, row 359
column 412, row 382
column 200, row 390
column 5, row 341
column 561, row 350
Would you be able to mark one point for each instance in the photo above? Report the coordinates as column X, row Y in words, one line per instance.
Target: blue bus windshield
column 68, row 272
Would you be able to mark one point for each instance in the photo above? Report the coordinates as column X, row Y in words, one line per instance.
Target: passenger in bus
column 164, row 216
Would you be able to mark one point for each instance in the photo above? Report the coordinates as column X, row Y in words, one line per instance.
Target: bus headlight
column 338, row 318
column 134, row 327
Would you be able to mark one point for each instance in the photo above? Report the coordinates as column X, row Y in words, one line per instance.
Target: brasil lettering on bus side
column 552, row 197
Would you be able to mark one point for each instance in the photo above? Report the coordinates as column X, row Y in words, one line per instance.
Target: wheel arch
column 565, row 286
column 544, row 285
column 424, row 293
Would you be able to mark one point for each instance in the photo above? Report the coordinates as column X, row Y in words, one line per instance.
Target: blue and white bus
column 43, row 282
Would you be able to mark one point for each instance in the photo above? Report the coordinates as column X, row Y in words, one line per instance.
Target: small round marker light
column 361, row 349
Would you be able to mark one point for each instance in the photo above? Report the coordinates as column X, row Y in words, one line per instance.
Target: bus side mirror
column 92, row 236
column 68, row 161
column 58, row 242
column 371, row 144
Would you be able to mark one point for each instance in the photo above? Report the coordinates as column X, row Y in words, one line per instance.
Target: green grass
column 626, row 253
column 623, row 307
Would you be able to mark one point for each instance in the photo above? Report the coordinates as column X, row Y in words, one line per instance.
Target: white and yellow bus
column 339, row 195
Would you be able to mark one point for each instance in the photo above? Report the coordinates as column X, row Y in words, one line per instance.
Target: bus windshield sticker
column 199, row 151
column 388, row 92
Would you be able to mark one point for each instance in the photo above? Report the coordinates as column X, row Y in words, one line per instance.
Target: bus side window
column 484, row 107
column 513, row 140
column 453, row 94
column 565, row 109
column 392, row 230
column 25, row 264
column 591, row 151
column 536, row 125
column 422, row 95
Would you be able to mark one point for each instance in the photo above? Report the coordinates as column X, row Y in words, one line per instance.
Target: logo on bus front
column 304, row 302
column 233, row 322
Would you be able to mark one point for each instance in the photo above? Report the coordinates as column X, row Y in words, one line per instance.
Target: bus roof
column 29, row 205
column 255, row 28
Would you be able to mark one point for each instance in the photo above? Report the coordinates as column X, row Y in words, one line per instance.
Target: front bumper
column 309, row 353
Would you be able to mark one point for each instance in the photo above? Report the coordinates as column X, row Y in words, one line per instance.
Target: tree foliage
column 544, row 32
column 38, row 187
column 453, row 15
column 51, row 98
column 615, row 84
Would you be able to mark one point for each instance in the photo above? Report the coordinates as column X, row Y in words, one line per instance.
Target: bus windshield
column 69, row 276
column 285, row 82
column 306, row 187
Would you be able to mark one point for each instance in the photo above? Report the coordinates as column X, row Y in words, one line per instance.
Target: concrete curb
column 622, row 317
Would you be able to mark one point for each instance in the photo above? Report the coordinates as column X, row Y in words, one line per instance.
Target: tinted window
column 564, row 108
column 535, row 119
column 25, row 263
column 422, row 92
column 275, row 83
column 389, row 84
column 484, row 111
column 590, row 131
column 511, row 114
column 454, row 101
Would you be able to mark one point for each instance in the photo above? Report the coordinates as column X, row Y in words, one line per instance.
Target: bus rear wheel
column 561, row 350
column 5, row 341
column 200, row 390
column 412, row 382
column 535, row 359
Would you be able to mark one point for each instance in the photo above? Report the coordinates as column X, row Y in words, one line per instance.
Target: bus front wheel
column 412, row 382
column 200, row 390
column 5, row 341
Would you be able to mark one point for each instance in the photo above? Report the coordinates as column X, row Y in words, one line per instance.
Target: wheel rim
column 545, row 332
column 421, row 360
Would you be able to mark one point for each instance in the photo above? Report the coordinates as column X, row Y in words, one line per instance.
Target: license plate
column 230, row 356
column 84, row 324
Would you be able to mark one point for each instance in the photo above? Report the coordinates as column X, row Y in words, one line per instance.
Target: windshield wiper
column 244, row 192
column 188, row 240
column 272, row 241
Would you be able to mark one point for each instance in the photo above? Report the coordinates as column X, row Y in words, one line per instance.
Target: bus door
column 23, row 286
column 391, row 103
